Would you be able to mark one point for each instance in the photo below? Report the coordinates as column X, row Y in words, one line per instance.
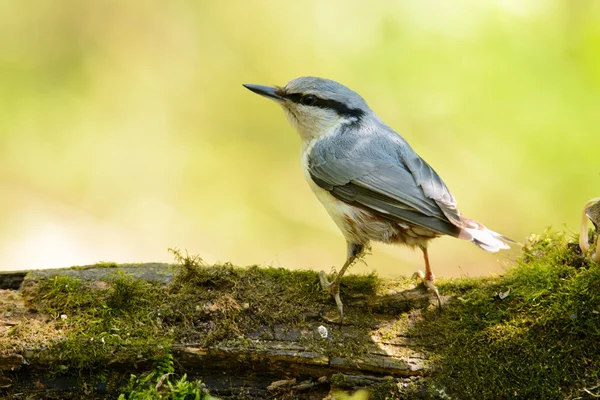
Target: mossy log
column 259, row 333
column 261, row 344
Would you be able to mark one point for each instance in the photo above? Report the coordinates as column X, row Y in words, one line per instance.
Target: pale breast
column 339, row 211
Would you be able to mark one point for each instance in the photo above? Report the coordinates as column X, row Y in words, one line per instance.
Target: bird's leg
column 428, row 277
column 355, row 250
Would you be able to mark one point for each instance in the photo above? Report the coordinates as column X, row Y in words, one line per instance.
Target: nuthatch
column 372, row 183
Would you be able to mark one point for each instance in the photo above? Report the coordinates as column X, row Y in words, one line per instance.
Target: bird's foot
column 428, row 282
column 340, row 306
column 334, row 290
column 325, row 284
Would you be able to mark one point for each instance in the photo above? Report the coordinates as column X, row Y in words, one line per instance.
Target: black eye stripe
column 337, row 106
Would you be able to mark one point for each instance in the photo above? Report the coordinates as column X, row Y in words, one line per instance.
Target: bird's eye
column 308, row 100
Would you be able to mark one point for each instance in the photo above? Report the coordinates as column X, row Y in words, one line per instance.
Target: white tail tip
column 487, row 239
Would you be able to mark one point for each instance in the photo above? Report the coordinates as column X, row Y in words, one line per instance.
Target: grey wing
column 433, row 187
column 387, row 188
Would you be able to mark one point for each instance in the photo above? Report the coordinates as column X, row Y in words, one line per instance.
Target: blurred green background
column 124, row 128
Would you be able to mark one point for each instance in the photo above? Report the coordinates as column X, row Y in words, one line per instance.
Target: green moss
column 100, row 264
column 123, row 318
column 541, row 341
column 103, row 324
column 64, row 293
column 413, row 389
column 223, row 304
column 126, row 294
column 395, row 328
column 106, row 264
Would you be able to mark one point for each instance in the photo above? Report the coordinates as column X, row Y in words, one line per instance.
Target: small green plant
column 158, row 384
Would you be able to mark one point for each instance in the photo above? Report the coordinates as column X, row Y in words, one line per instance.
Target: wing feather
column 433, row 187
column 382, row 182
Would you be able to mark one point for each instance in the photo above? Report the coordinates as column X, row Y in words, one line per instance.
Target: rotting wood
column 271, row 354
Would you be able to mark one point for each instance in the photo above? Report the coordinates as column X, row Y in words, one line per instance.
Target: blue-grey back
column 374, row 160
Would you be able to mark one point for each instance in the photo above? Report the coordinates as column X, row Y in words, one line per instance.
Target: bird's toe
column 429, row 284
column 419, row 275
column 325, row 284
column 340, row 305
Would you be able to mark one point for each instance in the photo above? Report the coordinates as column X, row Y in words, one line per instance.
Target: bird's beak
column 266, row 91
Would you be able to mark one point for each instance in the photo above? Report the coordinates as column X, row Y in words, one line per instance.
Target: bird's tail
column 483, row 237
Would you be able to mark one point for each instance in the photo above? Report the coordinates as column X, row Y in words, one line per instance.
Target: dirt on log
column 245, row 332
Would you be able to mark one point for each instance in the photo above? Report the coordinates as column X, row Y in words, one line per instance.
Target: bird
column 372, row 183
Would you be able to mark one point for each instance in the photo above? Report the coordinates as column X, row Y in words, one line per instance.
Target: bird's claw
column 429, row 285
column 340, row 306
column 334, row 290
column 419, row 274
column 434, row 289
column 325, row 284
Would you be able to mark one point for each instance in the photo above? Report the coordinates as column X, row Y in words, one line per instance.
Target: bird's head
column 315, row 106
